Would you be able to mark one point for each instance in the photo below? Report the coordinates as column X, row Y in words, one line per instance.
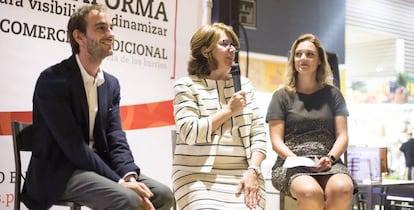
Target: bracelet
column 256, row 169
column 331, row 157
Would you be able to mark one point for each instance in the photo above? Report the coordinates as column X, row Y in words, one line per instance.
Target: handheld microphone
column 235, row 73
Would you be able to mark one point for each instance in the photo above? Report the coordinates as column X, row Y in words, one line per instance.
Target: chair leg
column 281, row 201
column 357, row 202
column 75, row 207
column 174, row 204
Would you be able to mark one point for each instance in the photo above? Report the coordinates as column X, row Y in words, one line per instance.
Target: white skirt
column 195, row 191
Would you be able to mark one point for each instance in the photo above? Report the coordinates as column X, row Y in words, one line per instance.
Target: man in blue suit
column 80, row 152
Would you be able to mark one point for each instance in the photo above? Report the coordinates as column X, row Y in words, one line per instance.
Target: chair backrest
column 22, row 133
column 22, row 141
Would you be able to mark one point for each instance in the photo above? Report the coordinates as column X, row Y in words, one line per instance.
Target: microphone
column 235, row 73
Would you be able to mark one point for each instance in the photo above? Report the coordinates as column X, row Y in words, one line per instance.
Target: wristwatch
column 331, row 157
column 256, row 169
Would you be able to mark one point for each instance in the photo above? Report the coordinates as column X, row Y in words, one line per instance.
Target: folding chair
column 22, row 142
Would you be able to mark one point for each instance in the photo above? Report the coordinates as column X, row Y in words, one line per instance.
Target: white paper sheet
column 292, row 162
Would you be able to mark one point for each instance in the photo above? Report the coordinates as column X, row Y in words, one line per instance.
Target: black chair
column 173, row 141
column 22, row 142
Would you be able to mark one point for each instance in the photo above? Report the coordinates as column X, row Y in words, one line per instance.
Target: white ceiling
column 355, row 35
column 369, row 54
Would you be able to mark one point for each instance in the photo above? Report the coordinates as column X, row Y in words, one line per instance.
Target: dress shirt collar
column 88, row 79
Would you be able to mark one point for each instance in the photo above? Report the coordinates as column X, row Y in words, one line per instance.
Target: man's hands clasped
column 143, row 191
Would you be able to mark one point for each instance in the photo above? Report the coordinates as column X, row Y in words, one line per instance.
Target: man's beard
column 97, row 51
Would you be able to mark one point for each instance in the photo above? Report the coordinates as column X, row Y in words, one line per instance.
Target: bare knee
column 303, row 188
column 339, row 189
column 339, row 185
column 308, row 192
column 309, row 197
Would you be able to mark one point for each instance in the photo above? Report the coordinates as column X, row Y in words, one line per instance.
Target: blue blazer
column 61, row 134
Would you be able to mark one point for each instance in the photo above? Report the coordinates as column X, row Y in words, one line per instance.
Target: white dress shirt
column 91, row 85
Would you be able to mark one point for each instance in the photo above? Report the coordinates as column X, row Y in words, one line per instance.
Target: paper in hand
column 292, row 162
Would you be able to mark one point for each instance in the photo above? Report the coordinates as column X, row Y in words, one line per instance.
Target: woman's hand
column 250, row 187
column 323, row 164
column 235, row 105
column 237, row 102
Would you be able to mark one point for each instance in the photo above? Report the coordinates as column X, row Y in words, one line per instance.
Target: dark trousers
column 98, row 192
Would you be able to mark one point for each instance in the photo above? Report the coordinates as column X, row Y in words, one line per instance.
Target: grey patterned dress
column 309, row 129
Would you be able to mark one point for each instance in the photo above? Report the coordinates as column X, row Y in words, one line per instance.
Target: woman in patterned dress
column 221, row 138
column 308, row 117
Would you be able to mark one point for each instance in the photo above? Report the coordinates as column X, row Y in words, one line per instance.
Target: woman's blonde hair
column 207, row 36
column 323, row 73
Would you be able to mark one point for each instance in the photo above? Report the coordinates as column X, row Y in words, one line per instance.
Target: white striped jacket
column 195, row 100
